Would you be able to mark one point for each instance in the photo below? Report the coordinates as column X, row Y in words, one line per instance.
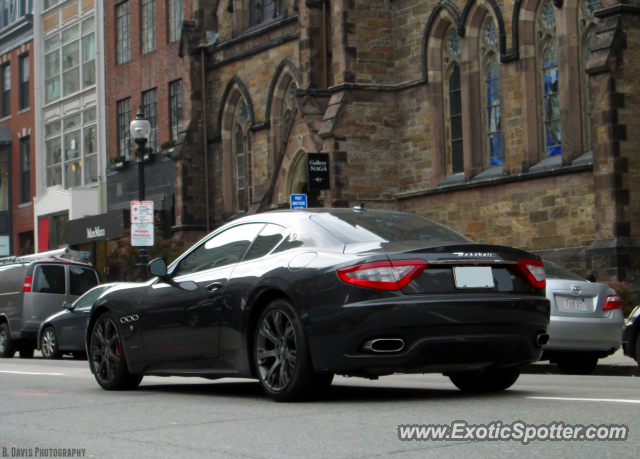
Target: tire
column 108, row 363
column 577, row 365
column 49, row 344
column 490, row 380
column 282, row 358
column 26, row 353
column 8, row 346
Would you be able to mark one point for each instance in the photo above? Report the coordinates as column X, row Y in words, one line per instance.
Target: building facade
column 70, row 115
column 17, row 128
column 514, row 122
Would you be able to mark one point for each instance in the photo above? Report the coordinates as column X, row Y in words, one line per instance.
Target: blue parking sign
column 298, row 201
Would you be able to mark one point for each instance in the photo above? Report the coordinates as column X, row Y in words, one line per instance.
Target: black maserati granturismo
column 292, row 298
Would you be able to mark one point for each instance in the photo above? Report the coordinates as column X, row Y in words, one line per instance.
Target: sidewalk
column 615, row 365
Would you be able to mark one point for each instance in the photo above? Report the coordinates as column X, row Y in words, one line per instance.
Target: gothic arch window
column 549, row 76
column 492, row 116
column 241, row 142
column 261, row 11
column 453, row 102
column 587, row 26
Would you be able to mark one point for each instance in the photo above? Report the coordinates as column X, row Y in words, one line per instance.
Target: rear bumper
column 442, row 333
column 585, row 334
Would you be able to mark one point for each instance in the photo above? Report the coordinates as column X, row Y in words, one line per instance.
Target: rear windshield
column 553, row 271
column 371, row 226
column 81, row 280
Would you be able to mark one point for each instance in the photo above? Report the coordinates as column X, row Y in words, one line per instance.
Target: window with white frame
column 123, row 48
column 69, row 60
column 176, row 16
column 12, row 10
column 124, row 134
column 149, row 108
column 148, row 34
column 71, row 148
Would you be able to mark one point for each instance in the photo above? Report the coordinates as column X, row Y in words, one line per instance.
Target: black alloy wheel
column 283, row 363
column 490, row 380
column 107, row 356
column 49, row 344
column 7, row 345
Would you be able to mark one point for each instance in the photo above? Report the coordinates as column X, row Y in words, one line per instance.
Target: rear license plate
column 575, row 304
column 473, row 277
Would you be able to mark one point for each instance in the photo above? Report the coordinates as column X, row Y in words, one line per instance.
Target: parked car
column 631, row 335
column 294, row 297
column 31, row 289
column 63, row 332
column 586, row 321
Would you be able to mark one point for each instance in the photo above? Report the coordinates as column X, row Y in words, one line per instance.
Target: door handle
column 213, row 287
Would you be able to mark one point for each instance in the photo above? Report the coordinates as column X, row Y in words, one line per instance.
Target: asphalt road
column 58, row 404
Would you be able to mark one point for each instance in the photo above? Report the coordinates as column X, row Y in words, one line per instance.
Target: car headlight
column 635, row 313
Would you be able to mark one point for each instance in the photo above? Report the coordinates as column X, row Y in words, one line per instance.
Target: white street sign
column 141, row 211
column 142, row 234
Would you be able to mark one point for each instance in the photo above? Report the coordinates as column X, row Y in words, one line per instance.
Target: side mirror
column 68, row 306
column 591, row 277
column 157, row 268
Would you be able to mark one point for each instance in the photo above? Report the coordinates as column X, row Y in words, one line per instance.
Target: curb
column 601, row 370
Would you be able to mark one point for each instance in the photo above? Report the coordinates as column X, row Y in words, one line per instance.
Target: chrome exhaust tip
column 381, row 345
column 541, row 339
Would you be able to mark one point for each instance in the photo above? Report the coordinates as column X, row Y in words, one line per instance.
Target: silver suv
column 32, row 289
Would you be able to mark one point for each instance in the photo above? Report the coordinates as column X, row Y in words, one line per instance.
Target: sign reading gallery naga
column 318, row 171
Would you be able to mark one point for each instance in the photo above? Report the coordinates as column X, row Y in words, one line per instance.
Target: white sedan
column 586, row 321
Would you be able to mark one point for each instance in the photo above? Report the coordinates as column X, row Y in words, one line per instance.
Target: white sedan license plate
column 473, row 277
column 575, row 304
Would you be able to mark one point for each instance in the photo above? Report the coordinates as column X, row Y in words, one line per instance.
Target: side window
column 224, row 249
column 50, row 279
column 81, row 280
column 87, row 300
column 268, row 240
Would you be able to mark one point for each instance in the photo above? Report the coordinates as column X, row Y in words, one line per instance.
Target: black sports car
column 293, row 297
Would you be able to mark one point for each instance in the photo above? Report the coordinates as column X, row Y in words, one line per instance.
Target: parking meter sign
column 299, row 201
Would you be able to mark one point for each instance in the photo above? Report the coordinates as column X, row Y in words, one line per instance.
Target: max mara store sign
column 103, row 227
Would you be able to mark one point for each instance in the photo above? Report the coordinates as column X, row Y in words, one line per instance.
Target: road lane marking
column 30, row 393
column 28, row 373
column 587, row 399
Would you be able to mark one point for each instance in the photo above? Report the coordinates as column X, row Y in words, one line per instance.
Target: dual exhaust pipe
column 383, row 345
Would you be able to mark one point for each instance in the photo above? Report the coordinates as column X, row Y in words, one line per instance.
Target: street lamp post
column 140, row 129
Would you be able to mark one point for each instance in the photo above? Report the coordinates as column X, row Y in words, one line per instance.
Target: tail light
column 612, row 302
column 533, row 271
column 383, row 275
column 26, row 287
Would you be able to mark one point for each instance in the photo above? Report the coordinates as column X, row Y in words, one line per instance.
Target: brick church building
column 513, row 122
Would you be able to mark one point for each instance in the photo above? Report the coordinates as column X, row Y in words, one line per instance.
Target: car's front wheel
column 8, row 346
column 577, row 365
column 490, row 380
column 107, row 356
column 282, row 358
column 49, row 344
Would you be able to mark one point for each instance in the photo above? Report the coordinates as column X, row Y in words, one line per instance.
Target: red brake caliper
column 118, row 348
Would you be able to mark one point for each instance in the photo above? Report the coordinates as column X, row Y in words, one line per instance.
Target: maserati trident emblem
column 473, row 255
column 576, row 290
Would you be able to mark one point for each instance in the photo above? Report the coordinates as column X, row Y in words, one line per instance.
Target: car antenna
column 360, row 208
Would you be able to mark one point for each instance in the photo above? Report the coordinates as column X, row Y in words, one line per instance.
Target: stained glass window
column 490, row 32
column 242, row 151
column 494, row 115
column 453, row 43
column 551, row 100
column 548, row 16
column 455, row 120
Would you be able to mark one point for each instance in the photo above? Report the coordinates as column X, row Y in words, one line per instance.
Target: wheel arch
column 95, row 313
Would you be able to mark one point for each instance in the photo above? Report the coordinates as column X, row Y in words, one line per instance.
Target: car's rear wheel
column 8, row 346
column 282, row 358
column 490, row 380
column 577, row 365
column 49, row 344
column 107, row 356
